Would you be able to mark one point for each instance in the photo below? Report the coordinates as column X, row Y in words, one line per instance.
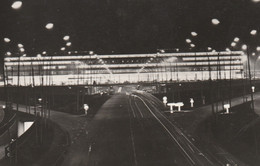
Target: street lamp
column 68, row 44
column 66, row 38
column 236, row 39
column 245, row 47
column 49, row 26
column 7, row 40
column 22, row 50
column 194, row 34
column 8, row 53
column 253, row 32
column 20, row 45
column 17, row 5
column 188, row 41
column 215, row 21
column 233, row 44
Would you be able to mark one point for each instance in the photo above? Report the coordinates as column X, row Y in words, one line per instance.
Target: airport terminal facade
column 85, row 69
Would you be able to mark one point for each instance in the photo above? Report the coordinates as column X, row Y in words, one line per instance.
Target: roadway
column 132, row 130
column 122, row 133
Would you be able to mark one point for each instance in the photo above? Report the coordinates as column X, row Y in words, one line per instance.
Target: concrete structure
column 100, row 69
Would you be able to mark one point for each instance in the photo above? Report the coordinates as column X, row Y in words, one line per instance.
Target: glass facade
column 103, row 69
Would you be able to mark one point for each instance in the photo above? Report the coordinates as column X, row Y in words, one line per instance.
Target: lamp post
column 245, row 48
column 255, row 62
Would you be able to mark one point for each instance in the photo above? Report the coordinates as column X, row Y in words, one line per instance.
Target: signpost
column 86, row 107
column 165, row 100
column 253, row 89
column 227, row 106
column 179, row 105
column 191, row 102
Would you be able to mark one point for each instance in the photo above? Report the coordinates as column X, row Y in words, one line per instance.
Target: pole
column 250, row 80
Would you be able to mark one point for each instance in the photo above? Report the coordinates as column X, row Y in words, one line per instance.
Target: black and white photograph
column 129, row 82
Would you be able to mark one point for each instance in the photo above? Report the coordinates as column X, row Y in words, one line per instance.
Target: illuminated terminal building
column 108, row 69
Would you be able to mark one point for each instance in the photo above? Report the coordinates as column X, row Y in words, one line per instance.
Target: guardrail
column 14, row 145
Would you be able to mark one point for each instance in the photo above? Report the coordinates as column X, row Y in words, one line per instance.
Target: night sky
column 127, row 26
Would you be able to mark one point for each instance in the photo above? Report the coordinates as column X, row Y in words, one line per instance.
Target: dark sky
column 126, row 26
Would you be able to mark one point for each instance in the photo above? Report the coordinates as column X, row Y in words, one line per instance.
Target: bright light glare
column 44, row 52
column 22, row 49
column 228, row 50
column 8, row 53
column 7, row 40
column 62, row 48
column 39, row 55
column 192, row 45
column 236, row 39
column 215, row 21
column 66, row 38
column 209, row 48
column 244, row 47
column 253, row 32
column 49, row 26
column 194, row 34
column 17, row 5
column 188, row 41
column 258, row 48
column 233, row 44
column 20, row 45
column 68, row 44
column 253, row 54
